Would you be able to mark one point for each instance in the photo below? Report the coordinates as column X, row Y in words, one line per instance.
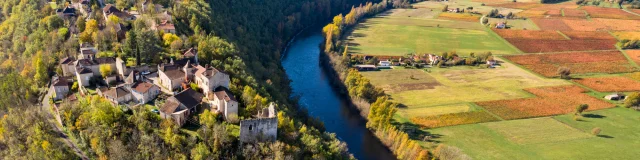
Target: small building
column 491, row 63
column 66, row 13
column 144, row 92
column 110, row 9
column 84, row 76
column 117, row 95
column 501, row 25
column 616, row 97
column 166, row 26
column 263, row 128
column 223, row 101
column 60, row 87
column 180, row 106
column 67, row 65
column 87, row 53
column 384, row 63
column 209, row 78
column 366, row 67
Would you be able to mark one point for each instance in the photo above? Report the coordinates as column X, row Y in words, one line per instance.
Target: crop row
column 610, row 84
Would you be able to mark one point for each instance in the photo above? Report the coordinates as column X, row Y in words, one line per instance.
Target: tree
column 169, row 38
column 106, row 70
column 54, row 22
column 485, row 21
column 130, row 47
column 41, row 75
column 596, row 131
column 564, row 72
column 632, row 100
column 581, row 108
column 445, row 8
column 148, row 44
column 81, row 23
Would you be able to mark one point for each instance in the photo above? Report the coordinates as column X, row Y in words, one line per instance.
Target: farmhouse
column 165, row 26
column 181, row 105
column 616, row 97
column 263, row 128
column 84, row 75
column 117, row 95
column 173, row 74
column 223, row 101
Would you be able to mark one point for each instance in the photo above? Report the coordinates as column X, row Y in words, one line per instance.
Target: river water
column 311, row 84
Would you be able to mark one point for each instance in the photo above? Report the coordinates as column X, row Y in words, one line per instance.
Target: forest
column 242, row 37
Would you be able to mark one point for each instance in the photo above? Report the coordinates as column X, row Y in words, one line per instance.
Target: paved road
column 52, row 121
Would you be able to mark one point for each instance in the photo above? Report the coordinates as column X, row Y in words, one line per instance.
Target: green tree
column 633, row 100
column 581, row 108
column 54, row 22
column 41, row 75
column 200, row 152
column 81, row 23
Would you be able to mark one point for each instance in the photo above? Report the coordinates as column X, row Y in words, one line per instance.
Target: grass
column 546, row 138
column 392, row 36
column 517, row 24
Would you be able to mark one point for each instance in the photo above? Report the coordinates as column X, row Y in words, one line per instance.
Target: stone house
column 94, row 64
column 165, row 26
column 144, row 92
column 180, row 106
column 173, row 74
column 262, row 128
column 66, row 13
column 117, row 95
column 87, row 51
column 67, row 65
column 209, row 78
column 223, row 101
column 110, row 9
column 60, row 86
column 84, row 75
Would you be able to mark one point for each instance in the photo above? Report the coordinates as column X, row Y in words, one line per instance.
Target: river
column 311, row 84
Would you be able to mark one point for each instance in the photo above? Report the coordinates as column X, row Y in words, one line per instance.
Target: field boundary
column 628, row 58
column 483, row 109
column 564, row 35
column 492, row 33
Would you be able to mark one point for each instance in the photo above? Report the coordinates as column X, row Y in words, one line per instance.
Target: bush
column 596, row 131
column 74, row 87
column 581, row 108
column 449, row 152
column 564, row 72
column 632, row 100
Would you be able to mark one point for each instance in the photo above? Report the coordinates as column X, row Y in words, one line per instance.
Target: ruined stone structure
column 263, row 128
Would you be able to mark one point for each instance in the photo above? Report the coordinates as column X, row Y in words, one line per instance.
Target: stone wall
column 258, row 130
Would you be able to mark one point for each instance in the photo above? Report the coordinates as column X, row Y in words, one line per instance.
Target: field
column 457, row 87
column 518, row 5
column 413, row 13
column 460, row 17
column 634, row 55
column 559, row 137
column 611, row 13
column 462, row 4
column 390, row 35
column 579, row 62
column 528, row 34
column 610, row 84
column 452, row 119
column 574, row 13
column 516, row 24
column 551, row 24
column 627, row 35
column 549, row 101
column 580, row 35
column 538, row 130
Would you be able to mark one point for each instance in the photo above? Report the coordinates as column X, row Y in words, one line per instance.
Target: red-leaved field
column 549, row 101
column 610, row 84
column 578, row 62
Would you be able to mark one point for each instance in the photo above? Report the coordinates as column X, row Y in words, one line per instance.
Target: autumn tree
column 41, row 75
column 106, row 70
column 564, row 72
column 633, row 100
column 581, row 108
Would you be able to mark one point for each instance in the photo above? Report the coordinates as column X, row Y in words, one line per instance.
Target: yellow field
column 627, row 35
column 460, row 17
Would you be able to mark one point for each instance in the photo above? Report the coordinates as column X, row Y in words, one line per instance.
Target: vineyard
column 542, row 46
column 579, row 62
column 580, row 35
column 528, row 34
column 574, row 13
column 551, row 24
column 452, row 119
column 610, row 84
column 612, row 13
column 549, row 101
column 634, row 55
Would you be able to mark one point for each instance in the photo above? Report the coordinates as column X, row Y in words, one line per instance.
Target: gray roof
column 116, row 92
column 83, row 70
column 223, row 93
column 189, row 98
column 105, row 60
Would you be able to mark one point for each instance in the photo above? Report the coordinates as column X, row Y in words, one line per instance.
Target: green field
column 549, row 138
column 395, row 35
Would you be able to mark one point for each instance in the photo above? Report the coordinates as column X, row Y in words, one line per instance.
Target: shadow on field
column 416, row 132
column 593, row 116
column 604, row 136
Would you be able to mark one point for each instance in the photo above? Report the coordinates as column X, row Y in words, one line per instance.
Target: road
column 50, row 119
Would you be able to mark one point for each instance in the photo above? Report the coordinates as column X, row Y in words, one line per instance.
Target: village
column 177, row 89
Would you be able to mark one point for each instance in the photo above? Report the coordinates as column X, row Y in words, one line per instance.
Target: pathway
column 46, row 108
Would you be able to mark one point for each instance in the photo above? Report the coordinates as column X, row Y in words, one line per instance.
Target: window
column 250, row 127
